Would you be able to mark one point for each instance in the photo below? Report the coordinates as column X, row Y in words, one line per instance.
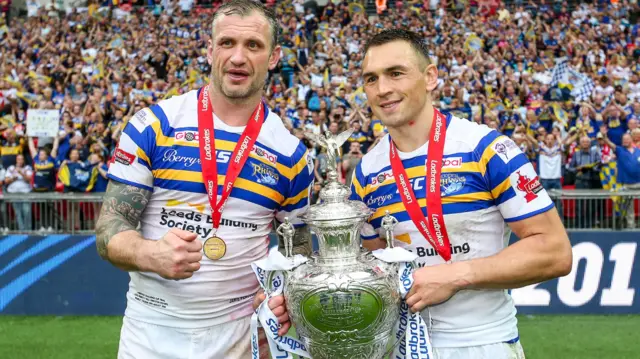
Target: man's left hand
column 432, row 285
column 278, row 308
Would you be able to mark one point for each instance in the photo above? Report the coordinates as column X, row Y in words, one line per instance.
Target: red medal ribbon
column 434, row 229
column 208, row 153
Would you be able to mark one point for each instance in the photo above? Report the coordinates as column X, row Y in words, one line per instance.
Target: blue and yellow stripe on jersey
column 481, row 180
column 280, row 184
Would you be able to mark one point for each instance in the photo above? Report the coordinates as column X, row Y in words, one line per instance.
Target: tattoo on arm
column 122, row 208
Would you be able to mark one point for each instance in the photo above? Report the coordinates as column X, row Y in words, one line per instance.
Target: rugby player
column 458, row 190
column 195, row 184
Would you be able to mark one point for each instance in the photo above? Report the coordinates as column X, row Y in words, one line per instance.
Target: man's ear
column 275, row 57
column 210, row 52
column 431, row 77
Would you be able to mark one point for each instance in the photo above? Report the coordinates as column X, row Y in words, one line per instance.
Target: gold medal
column 214, row 248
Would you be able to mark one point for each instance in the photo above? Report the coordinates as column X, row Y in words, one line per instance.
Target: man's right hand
column 278, row 307
column 176, row 255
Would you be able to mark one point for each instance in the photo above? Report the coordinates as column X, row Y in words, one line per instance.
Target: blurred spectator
column 5, row 9
column 315, row 192
column 102, row 169
column 550, row 162
column 77, row 175
column 12, row 146
column 320, row 168
column 351, row 159
column 18, row 180
column 44, row 165
column 585, row 163
column 628, row 170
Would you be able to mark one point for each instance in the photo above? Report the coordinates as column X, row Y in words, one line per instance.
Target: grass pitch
column 543, row 337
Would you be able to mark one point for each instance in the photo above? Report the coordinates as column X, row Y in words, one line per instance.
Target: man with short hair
column 586, row 162
column 550, row 162
column 195, row 184
column 437, row 167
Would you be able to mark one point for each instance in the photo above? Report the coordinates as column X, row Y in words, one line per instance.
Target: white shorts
column 139, row 340
column 488, row 351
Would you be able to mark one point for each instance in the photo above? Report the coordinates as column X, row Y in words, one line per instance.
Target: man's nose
column 383, row 86
column 238, row 57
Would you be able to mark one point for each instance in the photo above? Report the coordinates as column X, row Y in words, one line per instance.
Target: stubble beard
column 239, row 94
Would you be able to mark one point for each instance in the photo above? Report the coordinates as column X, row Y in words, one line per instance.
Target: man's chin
column 393, row 120
column 238, row 93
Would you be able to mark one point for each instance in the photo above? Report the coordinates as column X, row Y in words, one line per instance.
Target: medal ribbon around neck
column 208, row 153
column 433, row 229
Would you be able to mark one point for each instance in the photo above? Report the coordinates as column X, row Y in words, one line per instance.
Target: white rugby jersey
column 486, row 181
column 159, row 151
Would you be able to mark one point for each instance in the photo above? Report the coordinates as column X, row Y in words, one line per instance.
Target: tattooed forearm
column 121, row 211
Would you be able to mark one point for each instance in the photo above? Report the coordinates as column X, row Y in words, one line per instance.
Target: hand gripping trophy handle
column 286, row 230
column 388, row 222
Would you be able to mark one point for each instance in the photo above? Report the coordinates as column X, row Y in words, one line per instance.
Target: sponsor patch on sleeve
column 506, row 149
column 123, row 157
column 526, row 183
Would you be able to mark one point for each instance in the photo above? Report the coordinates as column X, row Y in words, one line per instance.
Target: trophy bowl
column 344, row 303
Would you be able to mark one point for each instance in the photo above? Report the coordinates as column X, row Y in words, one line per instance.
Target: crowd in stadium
column 561, row 79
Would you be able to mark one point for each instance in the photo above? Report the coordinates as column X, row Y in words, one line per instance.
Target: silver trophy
column 344, row 303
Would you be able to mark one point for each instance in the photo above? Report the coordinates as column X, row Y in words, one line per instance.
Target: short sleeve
column 131, row 162
column 296, row 200
column 358, row 184
column 511, row 179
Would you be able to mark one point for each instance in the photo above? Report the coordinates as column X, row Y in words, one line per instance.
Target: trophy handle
column 287, row 231
column 388, row 222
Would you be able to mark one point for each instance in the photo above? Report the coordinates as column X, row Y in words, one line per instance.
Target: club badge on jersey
column 433, row 229
column 215, row 247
